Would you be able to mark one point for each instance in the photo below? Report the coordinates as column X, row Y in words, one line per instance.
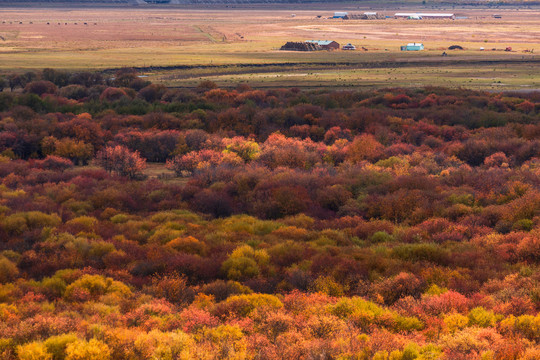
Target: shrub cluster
column 384, row 224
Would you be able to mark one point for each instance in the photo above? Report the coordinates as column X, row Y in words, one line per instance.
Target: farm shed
column 424, row 16
column 413, row 47
column 340, row 15
column 325, row 44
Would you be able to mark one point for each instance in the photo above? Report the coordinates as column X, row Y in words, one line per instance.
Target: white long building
column 425, row 15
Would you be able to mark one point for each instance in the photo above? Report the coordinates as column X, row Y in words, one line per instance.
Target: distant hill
column 172, row 2
column 188, row 2
column 180, row 2
column 240, row 2
column 73, row 1
column 157, row 2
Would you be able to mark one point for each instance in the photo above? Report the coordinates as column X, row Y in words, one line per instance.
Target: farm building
column 349, row 46
column 325, row 44
column 340, row 15
column 424, row 16
column 413, row 47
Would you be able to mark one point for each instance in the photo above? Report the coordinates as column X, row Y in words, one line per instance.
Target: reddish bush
column 194, row 160
column 40, row 87
column 113, row 94
column 402, row 285
column 54, row 163
column 120, row 160
column 365, row 147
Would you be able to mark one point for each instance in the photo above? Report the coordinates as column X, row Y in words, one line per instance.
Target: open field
column 488, row 76
column 226, row 43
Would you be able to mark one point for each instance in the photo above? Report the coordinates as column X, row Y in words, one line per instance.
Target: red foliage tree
column 120, row 160
column 40, row 87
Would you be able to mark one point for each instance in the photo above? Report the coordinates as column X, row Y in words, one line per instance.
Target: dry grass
column 144, row 37
column 157, row 170
column 494, row 78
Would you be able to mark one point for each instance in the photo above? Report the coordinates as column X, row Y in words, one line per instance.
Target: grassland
column 180, row 47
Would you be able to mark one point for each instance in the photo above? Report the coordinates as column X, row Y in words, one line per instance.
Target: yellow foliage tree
column 88, row 350
column 229, row 342
column 245, row 262
column 33, row 351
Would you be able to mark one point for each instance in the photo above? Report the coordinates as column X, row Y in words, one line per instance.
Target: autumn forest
column 144, row 222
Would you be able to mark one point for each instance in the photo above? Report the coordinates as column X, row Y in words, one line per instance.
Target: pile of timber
column 300, row 46
column 364, row 17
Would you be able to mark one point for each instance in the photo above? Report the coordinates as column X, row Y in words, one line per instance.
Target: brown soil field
column 108, row 38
